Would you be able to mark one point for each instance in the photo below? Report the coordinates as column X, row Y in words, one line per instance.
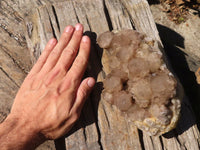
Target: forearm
column 18, row 135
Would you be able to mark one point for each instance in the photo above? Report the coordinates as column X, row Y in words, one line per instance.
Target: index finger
column 75, row 73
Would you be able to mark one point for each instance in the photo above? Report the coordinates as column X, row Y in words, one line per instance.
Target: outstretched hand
column 52, row 95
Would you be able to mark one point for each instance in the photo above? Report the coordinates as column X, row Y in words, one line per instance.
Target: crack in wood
column 75, row 13
column 29, row 26
column 38, row 2
column 56, row 17
column 51, row 24
column 99, row 136
column 85, row 136
column 141, row 139
column 153, row 144
column 107, row 16
column 178, row 141
column 106, row 117
column 161, row 142
column 88, row 22
column 130, row 18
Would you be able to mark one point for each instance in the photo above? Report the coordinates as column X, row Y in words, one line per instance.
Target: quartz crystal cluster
column 138, row 82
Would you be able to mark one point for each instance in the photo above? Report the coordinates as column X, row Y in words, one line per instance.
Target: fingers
column 78, row 67
column 42, row 59
column 82, row 93
column 70, row 52
column 55, row 54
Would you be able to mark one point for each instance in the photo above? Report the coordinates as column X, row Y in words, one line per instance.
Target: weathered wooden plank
column 143, row 22
column 65, row 13
column 53, row 20
column 172, row 143
column 157, row 143
column 118, row 15
column 141, row 15
column 103, row 26
column 115, row 122
column 186, row 127
column 15, row 60
column 90, row 130
column 12, row 50
column 111, row 128
column 90, row 135
column 12, row 35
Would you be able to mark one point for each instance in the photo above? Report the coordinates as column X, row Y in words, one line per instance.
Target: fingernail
column 68, row 29
column 52, row 42
column 84, row 38
column 78, row 27
column 91, row 82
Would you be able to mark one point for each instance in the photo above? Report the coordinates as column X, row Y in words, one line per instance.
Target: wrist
column 16, row 133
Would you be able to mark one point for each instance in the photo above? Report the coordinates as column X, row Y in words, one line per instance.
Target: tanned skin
column 51, row 97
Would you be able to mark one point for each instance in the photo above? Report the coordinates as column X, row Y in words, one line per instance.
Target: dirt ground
column 181, row 41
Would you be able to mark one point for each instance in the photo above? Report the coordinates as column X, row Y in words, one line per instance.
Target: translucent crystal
column 105, row 39
column 125, row 53
column 138, row 68
column 163, row 86
column 137, row 113
column 123, row 100
column 114, row 62
column 120, row 40
column 141, row 91
column 108, row 96
column 154, row 60
column 112, row 83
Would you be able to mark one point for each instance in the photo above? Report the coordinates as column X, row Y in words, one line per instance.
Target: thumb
column 83, row 92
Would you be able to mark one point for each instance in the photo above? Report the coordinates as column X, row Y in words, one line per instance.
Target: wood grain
column 101, row 126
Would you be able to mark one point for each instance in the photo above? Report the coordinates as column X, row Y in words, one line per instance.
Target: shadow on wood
column 173, row 42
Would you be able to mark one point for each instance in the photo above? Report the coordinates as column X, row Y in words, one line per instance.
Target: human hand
column 52, row 95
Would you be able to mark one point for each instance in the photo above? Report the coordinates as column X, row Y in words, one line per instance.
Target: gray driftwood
column 99, row 126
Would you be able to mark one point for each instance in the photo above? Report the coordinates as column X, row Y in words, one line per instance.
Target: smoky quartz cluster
column 137, row 80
